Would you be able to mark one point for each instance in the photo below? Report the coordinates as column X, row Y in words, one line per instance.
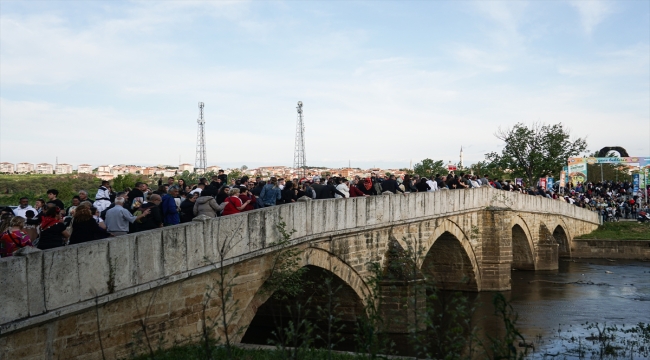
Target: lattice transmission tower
column 201, row 160
column 299, row 158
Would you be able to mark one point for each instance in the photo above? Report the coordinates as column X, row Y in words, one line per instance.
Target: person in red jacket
column 246, row 196
column 354, row 189
column 234, row 204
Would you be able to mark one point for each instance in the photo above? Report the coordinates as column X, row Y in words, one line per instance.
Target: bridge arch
column 319, row 260
column 450, row 259
column 561, row 235
column 523, row 249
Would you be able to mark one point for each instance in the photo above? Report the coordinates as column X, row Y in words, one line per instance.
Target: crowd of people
column 50, row 224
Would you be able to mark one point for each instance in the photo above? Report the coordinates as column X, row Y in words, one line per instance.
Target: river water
column 553, row 306
column 554, row 309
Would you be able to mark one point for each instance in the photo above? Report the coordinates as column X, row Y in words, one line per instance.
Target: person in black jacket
column 391, row 185
column 222, row 194
column 85, row 227
column 257, row 190
column 187, row 208
column 137, row 192
column 223, row 177
column 154, row 220
column 325, row 191
column 288, row 194
column 422, row 186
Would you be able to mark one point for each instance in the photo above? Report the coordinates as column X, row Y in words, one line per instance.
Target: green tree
column 122, row 182
column 486, row 168
column 429, row 168
column 234, row 175
column 535, row 151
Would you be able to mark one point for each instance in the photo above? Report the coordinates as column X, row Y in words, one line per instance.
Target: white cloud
column 592, row 13
column 364, row 100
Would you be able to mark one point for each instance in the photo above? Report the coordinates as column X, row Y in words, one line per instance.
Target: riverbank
column 624, row 230
column 611, row 249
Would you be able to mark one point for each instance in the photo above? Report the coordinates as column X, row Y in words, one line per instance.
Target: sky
column 383, row 83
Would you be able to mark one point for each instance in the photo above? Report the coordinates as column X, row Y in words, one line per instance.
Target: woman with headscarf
column 53, row 230
column 367, row 187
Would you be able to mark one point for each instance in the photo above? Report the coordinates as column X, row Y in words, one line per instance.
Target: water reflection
column 552, row 307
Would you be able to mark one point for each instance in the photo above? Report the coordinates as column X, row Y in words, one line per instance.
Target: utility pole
column 201, row 160
column 601, row 172
column 299, row 158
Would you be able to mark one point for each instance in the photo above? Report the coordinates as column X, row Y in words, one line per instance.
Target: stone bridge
column 56, row 304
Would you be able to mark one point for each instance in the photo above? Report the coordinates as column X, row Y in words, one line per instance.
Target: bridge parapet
column 46, row 284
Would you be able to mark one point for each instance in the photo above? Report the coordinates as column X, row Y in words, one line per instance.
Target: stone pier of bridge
column 57, row 303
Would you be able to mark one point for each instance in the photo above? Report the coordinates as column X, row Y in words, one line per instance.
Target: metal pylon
column 201, row 160
column 299, row 158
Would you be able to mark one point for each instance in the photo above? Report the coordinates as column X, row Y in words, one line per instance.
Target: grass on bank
column 624, row 230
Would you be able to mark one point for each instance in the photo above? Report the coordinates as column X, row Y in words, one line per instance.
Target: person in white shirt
column 198, row 190
column 103, row 197
column 433, row 185
column 474, row 182
column 343, row 187
column 23, row 208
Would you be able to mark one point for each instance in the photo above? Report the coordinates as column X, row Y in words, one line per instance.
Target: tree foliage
column 13, row 187
column 234, row 174
column 429, row 168
column 122, row 182
column 535, row 151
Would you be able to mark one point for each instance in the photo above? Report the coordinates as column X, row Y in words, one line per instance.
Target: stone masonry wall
column 46, row 287
column 612, row 249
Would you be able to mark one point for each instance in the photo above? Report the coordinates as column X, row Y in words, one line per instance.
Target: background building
column 84, row 169
column 23, row 168
column 186, row 167
column 44, row 168
column 63, row 169
column 7, row 168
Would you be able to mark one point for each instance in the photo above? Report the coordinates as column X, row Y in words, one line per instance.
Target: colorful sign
column 563, row 180
column 577, row 172
column 519, row 181
column 606, row 160
column 542, row 183
column 549, row 183
column 635, row 182
column 577, row 166
column 452, row 167
column 642, row 180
